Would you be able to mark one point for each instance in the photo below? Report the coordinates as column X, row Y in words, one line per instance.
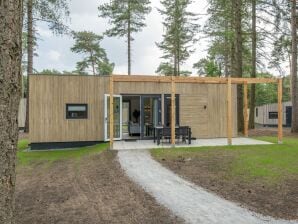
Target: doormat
column 130, row 140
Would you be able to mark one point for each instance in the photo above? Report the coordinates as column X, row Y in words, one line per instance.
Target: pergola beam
column 203, row 80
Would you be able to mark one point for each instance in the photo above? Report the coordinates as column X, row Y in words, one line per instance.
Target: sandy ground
column 270, row 131
column 23, row 135
column 190, row 202
column 91, row 191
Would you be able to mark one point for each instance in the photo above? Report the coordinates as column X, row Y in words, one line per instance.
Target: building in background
column 267, row 115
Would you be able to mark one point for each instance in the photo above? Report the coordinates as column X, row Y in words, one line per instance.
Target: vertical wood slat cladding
column 193, row 99
column 22, row 113
column 217, row 111
column 50, row 94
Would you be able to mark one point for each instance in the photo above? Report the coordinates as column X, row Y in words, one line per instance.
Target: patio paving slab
column 149, row 144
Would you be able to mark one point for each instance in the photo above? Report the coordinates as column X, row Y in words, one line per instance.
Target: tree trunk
column 233, row 60
column 227, row 50
column 129, row 42
column 254, row 67
column 129, row 51
column 92, row 62
column 294, row 68
column 10, row 93
column 178, row 65
column 178, row 57
column 238, row 56
column 176, row 41
column 175, row 64
column 30, row 48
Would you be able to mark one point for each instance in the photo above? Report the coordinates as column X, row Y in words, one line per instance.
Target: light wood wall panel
column 193, row 108
column 50, row 94
column 22, row 113
column 48, row 98
column 217, row 110
column 142, row 88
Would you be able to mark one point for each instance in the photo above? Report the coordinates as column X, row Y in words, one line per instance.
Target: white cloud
column 54, row 55
column 145, row 53
column 44, row 32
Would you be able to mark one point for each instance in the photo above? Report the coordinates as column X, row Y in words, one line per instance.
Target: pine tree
column 126, row 17
column 294, row 66
column 220, row 32
column 88, row 44
column 52, row 12
column 285, row 46
column 180, row 31
column 225, row 28
column 237, row 18
column 208, row 67
column 252, row 101
column 167, row 69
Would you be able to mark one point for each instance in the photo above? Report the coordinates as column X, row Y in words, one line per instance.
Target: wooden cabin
column 72, row 110
column 267, row 115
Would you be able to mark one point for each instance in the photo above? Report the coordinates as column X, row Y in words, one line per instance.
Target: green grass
column 268, row 162
column 27, row 157
column 23, row 144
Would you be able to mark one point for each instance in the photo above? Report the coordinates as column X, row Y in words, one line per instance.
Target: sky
column 54, row 51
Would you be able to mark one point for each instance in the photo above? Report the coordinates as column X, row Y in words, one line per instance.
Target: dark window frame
column 257, row 112
column 273, row 115
column 68, row 117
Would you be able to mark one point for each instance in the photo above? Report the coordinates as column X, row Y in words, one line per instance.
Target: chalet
column 73, row 110
column 267, row 115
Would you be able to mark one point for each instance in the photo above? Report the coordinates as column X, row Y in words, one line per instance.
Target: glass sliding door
column 117, row 109
column 150, row 115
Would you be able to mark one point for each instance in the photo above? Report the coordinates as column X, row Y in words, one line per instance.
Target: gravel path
column 184, row 199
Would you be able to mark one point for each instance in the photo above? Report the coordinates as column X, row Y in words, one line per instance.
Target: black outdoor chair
column 178, row 135
column 166, row 134
column 185, row 133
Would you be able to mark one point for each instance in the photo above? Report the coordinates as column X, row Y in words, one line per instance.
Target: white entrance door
column 117, row 117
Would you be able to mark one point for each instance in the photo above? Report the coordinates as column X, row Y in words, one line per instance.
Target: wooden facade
column 22, row 113
column 203, row 106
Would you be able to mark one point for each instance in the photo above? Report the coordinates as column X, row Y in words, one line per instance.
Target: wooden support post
column 229, row 111
column 111, row 114
column 280, row 112
column 245, row 108
column 173, row 118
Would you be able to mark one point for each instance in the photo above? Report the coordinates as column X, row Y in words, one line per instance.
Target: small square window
column 76, row 111
column 273, row 115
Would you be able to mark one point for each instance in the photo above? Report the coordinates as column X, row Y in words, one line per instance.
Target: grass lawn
column 271, row 162
column 26, row 157
column 263, row 177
